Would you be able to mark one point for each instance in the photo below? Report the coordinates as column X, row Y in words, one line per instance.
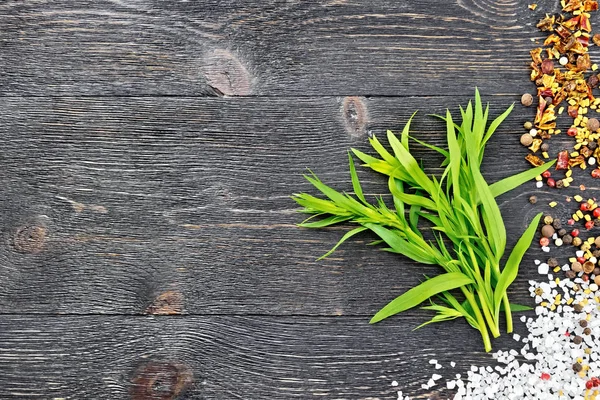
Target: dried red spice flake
column 576, row 161
column 534, row 160
column 546, row 24
column 562, row 161
column 559, row 72
column 583, row 62
column 584, row 23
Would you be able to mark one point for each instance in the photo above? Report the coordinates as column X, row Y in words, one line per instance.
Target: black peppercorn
column 592, row 145
column 556, row 223
column 570, row 274
column 587, row 331
column 552, row 262
column 560, row 183
column 578, row 307
column 583, row 323
column 567, row 239
column 577, row 339
column 561, row 232
column 577, row 367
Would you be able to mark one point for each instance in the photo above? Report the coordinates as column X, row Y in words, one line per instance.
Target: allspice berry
column 533, row 199
column 527, row 99
column 597, row 280
column 548, row 231
column 526, row 139
column 583, row 323
column 593, row 124
column 597, row 241
column 587, row 331
column 576, row 267
column 577, row 339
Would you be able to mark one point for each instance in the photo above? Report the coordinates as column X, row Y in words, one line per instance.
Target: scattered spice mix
column 565, row 76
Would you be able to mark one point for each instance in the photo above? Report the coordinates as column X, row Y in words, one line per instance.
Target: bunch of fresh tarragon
column 469, row 236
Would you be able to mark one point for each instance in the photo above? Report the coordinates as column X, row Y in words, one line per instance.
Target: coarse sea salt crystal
column 543, row 269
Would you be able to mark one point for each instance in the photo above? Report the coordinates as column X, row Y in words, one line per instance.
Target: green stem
column 487, row 344
column 488, row 316
column 491, row 321
column 508, row 313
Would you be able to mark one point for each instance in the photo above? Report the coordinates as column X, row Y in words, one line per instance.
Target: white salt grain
column 547, row 350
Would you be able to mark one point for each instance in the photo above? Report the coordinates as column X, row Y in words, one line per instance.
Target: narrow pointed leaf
column 422, row 292
column 511, row 182
column 509, row 273
column 355, row 183
column 347, row 236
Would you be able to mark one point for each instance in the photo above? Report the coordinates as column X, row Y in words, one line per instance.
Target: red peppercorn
column 571, row 221
column 589, row 225
column 575, row 232
column 551, row 182
column 544, row 242
column 595, row 381
column 584, row 206
column 581, row 260
column 589, row 384
column 596, row 212
column 585, row 277
column 596, row 173
column 572, row 131
column 545, row 376
column 546, row 174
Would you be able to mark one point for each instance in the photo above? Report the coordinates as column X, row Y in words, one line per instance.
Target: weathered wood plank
column 256, row 47
column 121, row 357
column 109, row 204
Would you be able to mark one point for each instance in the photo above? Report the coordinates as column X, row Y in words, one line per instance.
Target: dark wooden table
column 149, row 247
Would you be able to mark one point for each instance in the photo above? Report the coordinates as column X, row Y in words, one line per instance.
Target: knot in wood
column 160, row 381
column 226, row 75
column 29, row 238
column 167, row 303
column 354, row 113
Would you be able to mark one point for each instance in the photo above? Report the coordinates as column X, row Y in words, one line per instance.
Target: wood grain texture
column 111, row 203
column 148, row 246
column 121, row 357
column 241, row 48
